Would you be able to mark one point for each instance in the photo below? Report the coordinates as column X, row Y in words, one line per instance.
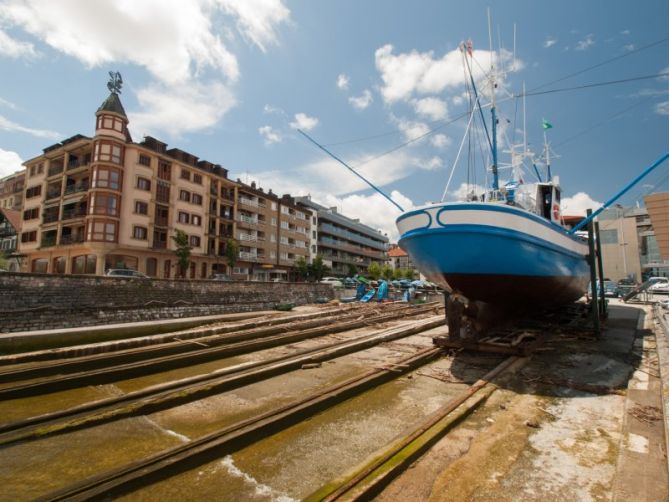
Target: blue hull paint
column 498, row 265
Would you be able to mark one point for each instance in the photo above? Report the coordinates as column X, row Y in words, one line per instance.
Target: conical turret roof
column 112, row 104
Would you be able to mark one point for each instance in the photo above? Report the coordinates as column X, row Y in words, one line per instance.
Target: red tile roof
column 397, row 252
column 14, row 217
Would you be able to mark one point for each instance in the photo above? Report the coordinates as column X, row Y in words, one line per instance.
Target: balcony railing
column 248, row 237
column 48, row 241
column 71, row 239
column 247, row 256
column 159, row 245
column 161, row 222
column 75, row 164
column 53, row 170
column 248, row 202
column 246, row 219
column 78, row 187
column 49, row 217
column 70, row 214
column 53, row 194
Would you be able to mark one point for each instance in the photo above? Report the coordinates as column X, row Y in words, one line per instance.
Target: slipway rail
column 55, row 383
column 172, row 461
column 186, row 390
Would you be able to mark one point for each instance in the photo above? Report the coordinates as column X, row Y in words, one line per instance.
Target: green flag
column 546, row 124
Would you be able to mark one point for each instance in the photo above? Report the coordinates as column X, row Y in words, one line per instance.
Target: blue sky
column 230, row 81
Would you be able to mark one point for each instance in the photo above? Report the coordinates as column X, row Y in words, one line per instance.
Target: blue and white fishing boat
column 504, row 246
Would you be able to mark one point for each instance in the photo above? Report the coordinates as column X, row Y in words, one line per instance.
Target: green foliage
column 387, row 272
column 374, row 270
column 231, row 253
column 317, row 269
column 352, row 270
column 302, row 268
column 183, row 251
column 398, row 274
column 4, row 262
column 409, row 273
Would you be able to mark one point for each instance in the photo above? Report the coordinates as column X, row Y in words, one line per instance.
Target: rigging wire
column 594, row 84
column 602, row 63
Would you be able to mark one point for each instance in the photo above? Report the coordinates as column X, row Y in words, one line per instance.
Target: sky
column 380, row 83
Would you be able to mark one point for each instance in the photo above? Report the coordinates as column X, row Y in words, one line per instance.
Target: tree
column 374, row 270
column 398, row 274
column 4, row 262
column 409, row 273
column 182, row 251
column 352, row 270
column 387, row 272
column 318, row 269
column 302, row 268
column 231, row 253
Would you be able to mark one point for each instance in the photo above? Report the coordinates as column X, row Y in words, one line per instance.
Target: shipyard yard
column 344, row 402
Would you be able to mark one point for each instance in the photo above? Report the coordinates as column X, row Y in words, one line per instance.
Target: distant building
column 10, row 225
column 11, row 191
column 398, row 258
column 344, row 244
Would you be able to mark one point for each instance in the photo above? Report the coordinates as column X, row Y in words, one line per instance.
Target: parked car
column 219, row 277
column 333, row 281
column 660, row 285
column 125, row 272
column 626, row 285
column 610, row 289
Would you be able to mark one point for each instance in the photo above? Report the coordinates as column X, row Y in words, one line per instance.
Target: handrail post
column 594, row 302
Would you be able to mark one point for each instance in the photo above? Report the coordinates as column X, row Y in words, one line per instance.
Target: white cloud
column 406, row 74
column 432, row 108
column 8, row 104
column 176, row 109
column 586, row 43
column 457, row 100
column 577, row 204
column 625, row 32
column 412, row 129
column 550, row 42
column 256, row 19
column 662, row 108
column 304, row 122
column 10, row 162
column 664, row 77
column 343, row 81
column 361, row 102
column 181, row 44
column 629, row 47
column 465, row 190
column 431, row 164
column 8, row 125
column 273, row 110
column 270, row 135
column 440, row 140
column 15, row 48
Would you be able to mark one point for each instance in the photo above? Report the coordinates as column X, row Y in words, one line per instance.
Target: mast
column 495, row 176
column 547, row 153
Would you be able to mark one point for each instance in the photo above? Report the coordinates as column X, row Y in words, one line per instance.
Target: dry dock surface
column 346, row 403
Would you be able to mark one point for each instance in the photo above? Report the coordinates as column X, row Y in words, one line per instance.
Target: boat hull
column 496, row 254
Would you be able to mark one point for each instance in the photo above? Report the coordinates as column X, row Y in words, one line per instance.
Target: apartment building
column 398, row 258
column 11, row 191
column 104, row 202
column 345, row 244
column 272, row 232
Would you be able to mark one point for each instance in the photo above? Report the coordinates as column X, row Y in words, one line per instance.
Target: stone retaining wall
column 44, row 301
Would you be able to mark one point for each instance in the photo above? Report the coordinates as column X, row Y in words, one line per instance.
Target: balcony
column 331, row 229
column 48, row 241
column 248, row 202
column 76, row 164
column 161, row 222
column 248, row 237
column 75, row 188
column 247, row 256
column 66, row 240
column 247, row 220
column 52, row 194
column 49, row 217
column 72, row 213
column 55, row 168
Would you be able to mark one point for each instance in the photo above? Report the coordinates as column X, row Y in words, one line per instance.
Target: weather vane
column 115, row 82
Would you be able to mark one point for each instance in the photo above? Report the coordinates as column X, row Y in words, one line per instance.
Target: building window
column 34, row 191
column 140, row 233
column 29, row 236
column 152, row 267
column 84, row 264
column 167, row 269
column 284, row 225
column 162, row 191
column 185, row 174
column 145, row 160
column 196, row 220
column 143, row 184
column 102, row 230
column 273, row 206
column 272, row 238
column 197, row 178
column 194, row 241
column 196, row 199
column 106, row 204
column 273, row 222
column 284, row 256
column 141, row 207
column 272, row 254
column 107, row 151
column 164, row 170
column 184, row 195
column 58, row 265
column 31, row 214
column 240, row 270
column 183, row 217
column 40, row 266
column 609, row 236
column 107, row 177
